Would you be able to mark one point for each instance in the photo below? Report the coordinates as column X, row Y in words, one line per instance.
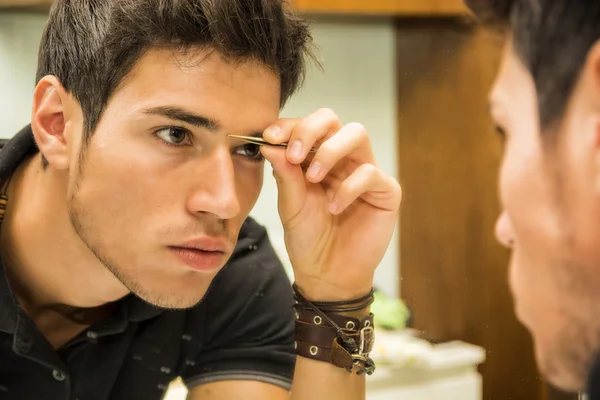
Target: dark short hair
column 92, row 45
column 552, row 38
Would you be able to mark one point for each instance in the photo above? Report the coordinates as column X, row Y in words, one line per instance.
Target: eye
column 249, row 150
column 174, row 136
column 500, row 131
column 501, row 134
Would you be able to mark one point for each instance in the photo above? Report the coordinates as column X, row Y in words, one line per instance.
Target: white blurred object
column 403, row 349
column 409, row 368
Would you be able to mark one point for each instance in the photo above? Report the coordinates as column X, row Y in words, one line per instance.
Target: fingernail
column 296, row 149
column 273, row 131
column 334, row 206
column 314, row 170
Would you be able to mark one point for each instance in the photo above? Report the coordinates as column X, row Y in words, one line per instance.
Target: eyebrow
column 183, row 115
column 188, row 117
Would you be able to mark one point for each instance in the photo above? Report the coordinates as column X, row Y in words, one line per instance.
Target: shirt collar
column 594, row 380
column 21, row 145
column 138, row 310
column 8, row 304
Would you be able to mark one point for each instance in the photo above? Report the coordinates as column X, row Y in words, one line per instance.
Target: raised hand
column 337, row 207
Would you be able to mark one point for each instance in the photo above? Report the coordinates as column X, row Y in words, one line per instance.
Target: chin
column 172, row 301
column 562, row 379
column 564, row 365
column 173, row 294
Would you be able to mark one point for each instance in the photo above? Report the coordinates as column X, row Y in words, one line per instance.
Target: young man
column 546, row 102
column 128, row 258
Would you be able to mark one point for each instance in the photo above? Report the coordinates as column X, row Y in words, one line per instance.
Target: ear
column 592, row 68
column 590, row 77
column 50, row 115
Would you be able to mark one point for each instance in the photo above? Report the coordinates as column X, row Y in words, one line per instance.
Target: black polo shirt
column 593, row 387
column 243, row 329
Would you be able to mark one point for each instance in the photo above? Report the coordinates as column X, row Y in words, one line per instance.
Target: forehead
column 201, row 81
column 513, row 81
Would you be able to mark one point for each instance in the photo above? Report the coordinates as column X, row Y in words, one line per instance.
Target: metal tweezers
column 262, row 142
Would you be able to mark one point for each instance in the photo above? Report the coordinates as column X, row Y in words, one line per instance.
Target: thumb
column 291, row 184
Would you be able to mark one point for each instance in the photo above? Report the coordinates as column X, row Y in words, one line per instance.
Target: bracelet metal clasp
column 363, row 333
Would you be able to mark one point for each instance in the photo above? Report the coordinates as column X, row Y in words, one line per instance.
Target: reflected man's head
column 131, row 111
column 546, row 102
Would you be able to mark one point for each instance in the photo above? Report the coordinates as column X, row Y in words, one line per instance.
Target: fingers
column 372, row 185
column 281, row 130
column 303, row 134
column 291, row 186
column 351, row 139
column 348, row 148
column 324, row 130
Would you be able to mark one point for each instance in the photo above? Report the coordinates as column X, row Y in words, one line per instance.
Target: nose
column 504, row 230
column 215, row 191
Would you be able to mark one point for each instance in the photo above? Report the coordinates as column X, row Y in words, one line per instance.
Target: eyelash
column 188, row 137
column 187, row 133
column 501, row 133
column 256, row 158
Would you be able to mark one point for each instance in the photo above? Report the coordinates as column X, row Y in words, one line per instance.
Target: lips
column 206, row 254
column 205, row 244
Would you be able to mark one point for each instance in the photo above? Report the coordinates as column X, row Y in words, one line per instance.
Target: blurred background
column 416, row 73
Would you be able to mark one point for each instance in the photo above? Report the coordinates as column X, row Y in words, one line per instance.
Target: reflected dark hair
column 92, row 45
column 552, row 38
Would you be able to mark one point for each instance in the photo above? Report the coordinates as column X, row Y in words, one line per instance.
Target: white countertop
column 409, row 368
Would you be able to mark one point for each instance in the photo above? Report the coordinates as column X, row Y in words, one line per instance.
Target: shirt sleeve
column 248, row 322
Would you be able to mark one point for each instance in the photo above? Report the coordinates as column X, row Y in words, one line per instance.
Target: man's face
column 160, row 193
column 549, row 186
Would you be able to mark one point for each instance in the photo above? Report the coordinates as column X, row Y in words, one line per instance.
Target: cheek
column 120, row 178
column 528, row 194
column 121, row 188
column 249, row 182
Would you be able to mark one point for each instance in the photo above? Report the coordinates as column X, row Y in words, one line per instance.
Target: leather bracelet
column 324, row 304
column 338, row 339
column 337, row 355
column 345, row 322
column 339, row 309
column 324, row 336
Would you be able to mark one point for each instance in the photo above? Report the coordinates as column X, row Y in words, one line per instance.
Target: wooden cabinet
column 24, row 3
column 454, row 274
column 331, row 7
column 382, row 7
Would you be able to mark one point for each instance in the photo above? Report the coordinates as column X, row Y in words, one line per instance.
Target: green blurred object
column 390, row 313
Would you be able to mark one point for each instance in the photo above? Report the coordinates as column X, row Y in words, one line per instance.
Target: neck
column 48, row 265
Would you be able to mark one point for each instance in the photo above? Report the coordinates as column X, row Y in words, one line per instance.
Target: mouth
column 205, row 255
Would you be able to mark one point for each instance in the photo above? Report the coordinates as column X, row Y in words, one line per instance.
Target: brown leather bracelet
column 310, row 328
column 314, row 352
column 324, row 335
column 345, row 322
column 321, row 342
column 336, row 355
